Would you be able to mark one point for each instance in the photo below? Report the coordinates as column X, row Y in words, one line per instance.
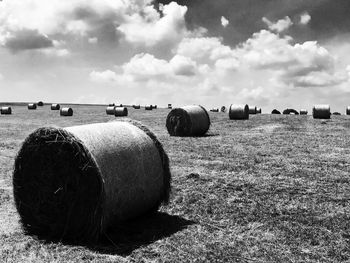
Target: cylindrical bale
column 120, row 111
column 170, row 106
column 303, row 112
column 214, row 110
column 154, row 106
column 223, row 109
column 66, row 112
column 110, row 110
column 6, row 110
column 148, row 107
column 55, row 106
column 74, row 183
column 321, row 111
column 274, row 111
column 136, row 107
column 348, row 110
column 32, row 106
column 258, row 110
column 188, row 121
column 111, row 104
column 40, row 103
column 239, row 112
column 252, row 109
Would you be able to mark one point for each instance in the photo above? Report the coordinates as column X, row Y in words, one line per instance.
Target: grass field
column 269, row 189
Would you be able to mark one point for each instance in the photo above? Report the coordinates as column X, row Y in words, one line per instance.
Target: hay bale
column 66, row 112
column 290, row 111
column 110, row 110
column 303, row 112
column 348, row 110
column 32, row 106
column 238, row 112
column 148, row 107
column 120, row 111
column 74, row 183
column 274, row 111
column 188, row 121
column 321, row 111
column 223, row 109
column 111, row 104
column 170, row 106
column 336, row 113
column 154, row 106
column 252, row 109
column 214, row 110
column 137, row 107
column 6, row 110
column 258, row 110
column 40, row 103
column 55, row 106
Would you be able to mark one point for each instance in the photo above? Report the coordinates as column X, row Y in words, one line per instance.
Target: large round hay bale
column 110, row 110
column 136, row 107
column 348, row 110
column 170, row 106
column 32, row 106
column 55, row 106
column 303, row 112
column 238, row 112
column 258, row 110
column 148, row 107
column 274, row 111
column 321, row 111
column 188, row 121
column 66, row 112
column 6, row 110
column 154, row 106
column 336, row 113
column 74, row 183
column 120, row 111
column 40, row 103
column 252, row 109
column 290, row 111
column 111, row 104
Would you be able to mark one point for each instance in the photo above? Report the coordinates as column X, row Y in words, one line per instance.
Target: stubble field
column 269, row 189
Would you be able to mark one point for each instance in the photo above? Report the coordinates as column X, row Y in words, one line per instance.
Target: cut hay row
column 120, row 111
column 76, row 182
column 188, row 121
column 66, row 111
column 6, row 110
column 321, row 111
column 239, row 112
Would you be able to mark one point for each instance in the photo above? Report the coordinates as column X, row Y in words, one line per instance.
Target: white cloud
column 279, row 26
column 224, row 21
column 1, row 77
column 104, row 76
column 305, row 18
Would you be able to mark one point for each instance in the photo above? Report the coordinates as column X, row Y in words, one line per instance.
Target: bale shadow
column 126, row 237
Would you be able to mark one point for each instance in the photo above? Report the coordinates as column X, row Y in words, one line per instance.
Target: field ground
column 269, row 189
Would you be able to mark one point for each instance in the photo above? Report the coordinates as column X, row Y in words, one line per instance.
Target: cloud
column 27, row 39
column 183, row 66
column 1, row 77
column 279, row 26
column 224, row 21
column 305, row 18
column 104, row 76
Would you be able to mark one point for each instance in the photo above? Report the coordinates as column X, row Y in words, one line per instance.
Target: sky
column 272, row 53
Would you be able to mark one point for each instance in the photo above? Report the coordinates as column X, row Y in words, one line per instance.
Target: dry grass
column 272, row 188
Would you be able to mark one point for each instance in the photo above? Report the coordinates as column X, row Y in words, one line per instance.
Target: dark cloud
column 328, row 17
column 28, row 39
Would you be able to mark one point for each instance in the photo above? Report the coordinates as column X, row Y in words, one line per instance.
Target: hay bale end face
column 252, row 109
column 6, row 110
column 170, row 106
column 74, row 183
column 274, row 111
column 110, row 110
column 32, row 106
column 348, row 110
column 40, row 103
column 238, row 112
column 303, row 112
column 120, row 111
column 55, row 106
column 66, row 112
column 188, row 121
column 321, row 111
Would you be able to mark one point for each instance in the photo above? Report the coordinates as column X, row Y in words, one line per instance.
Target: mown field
column 269, row 189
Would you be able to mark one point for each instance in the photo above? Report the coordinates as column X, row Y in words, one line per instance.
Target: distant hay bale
column 110, row 110
column 40, row 103
column 170, row 106
column 188, row 121
column 214, row 110
column 258, row 110
column 74, row 183
column 238, row 112
column 274, row 111
column 303, row 112
column 136, row 107
column 336, row 113
column 321, row 111
column 154, row 106
column 148, row 107
column 223, row 109
column 66, row 112
column 252, row 109
column 6, row 110
column 111, row 104
column 290, row 111
column 32, row 106
column 55, row 106
column 120, row 111
column 348, row 110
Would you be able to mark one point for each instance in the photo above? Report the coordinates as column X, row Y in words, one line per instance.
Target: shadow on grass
column 125, row 238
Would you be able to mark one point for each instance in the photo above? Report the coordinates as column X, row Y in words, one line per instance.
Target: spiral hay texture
column 303, row 112
column 321, row 111
column 238, row 112
column 74, row 183
column 6, row 110
column 348, row 110
column 223, row 109
column 66, row 112
column 32, row 106
column 55, row 106
column 110, row 110
column 120, row 111
column 188, row 121
column 252, row 109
